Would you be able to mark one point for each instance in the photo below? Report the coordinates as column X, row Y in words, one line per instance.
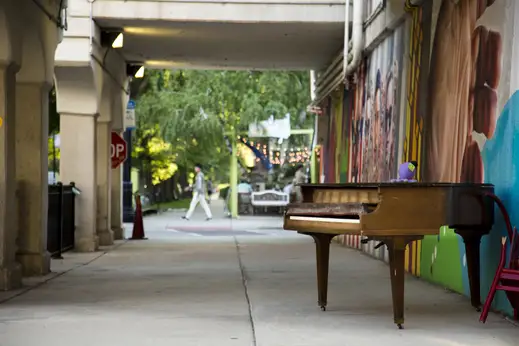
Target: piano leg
column 322, row 247
column 472, row 242
column 396, row 247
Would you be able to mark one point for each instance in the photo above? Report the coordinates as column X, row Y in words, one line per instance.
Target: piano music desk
column 395, row 214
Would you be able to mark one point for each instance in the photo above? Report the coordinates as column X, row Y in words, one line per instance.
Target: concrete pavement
column 255, row 288
column 169, row 225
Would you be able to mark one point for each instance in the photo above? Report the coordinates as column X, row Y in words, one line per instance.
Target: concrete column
column 28, row 41
column 84, row 88
column 78, row 164
column 10, row 270
column 31, row 176
column 116, row 210
column 104, row 225
column 78, row 91
column 120, row 100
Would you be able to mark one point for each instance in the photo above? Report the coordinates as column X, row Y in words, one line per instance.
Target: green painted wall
column 440, row 260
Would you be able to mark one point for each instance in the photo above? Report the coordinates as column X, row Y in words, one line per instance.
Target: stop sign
column 118, row 150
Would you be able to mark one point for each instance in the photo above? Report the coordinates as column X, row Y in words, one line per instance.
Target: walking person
column 199, row 195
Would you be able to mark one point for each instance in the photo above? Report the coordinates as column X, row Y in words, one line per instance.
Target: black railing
column 61, row 218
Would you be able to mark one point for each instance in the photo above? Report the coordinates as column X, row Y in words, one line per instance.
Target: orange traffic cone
column 138, row 224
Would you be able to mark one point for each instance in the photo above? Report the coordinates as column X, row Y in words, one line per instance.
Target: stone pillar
column 10, row 270
column 104, row 225
column 78, row 91
column 31, row 175
column 28, row 41
column 78, row 164
column 116, row 215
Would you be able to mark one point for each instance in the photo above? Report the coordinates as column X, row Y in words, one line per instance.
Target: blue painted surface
column 501, row 161
column 464, row 272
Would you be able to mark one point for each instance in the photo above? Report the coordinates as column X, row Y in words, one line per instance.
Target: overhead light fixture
column 113, row 38
column 119, row 41
column 140, row 72
column 135, row 70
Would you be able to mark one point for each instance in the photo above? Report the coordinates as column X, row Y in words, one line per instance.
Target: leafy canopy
column 192, row 110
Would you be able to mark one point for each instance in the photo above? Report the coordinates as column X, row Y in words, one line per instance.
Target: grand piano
column 394, row 214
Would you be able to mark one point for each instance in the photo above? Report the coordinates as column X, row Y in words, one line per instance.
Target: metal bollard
column 58, row 254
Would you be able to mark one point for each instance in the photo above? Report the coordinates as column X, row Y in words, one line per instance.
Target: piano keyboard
column 323, row 219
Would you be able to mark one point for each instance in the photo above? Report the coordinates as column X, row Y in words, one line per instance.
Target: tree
column 53, row 152
column 195, row 109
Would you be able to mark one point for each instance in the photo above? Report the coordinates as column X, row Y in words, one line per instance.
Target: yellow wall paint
column 339, row 150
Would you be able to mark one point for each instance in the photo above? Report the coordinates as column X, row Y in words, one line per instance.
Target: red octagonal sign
column 118, row 150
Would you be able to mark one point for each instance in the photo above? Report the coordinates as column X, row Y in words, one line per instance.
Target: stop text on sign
column 118, row 150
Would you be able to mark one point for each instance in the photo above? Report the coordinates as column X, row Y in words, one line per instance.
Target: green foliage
column 53, row 155
column 192, row 110
column 154, row 154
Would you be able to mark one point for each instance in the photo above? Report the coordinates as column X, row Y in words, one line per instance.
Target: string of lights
column 292, row 155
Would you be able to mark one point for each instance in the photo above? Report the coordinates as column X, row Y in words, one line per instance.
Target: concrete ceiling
column 219, row 45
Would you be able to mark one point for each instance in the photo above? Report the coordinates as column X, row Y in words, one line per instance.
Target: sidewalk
column 176, row 289
column 169, row 224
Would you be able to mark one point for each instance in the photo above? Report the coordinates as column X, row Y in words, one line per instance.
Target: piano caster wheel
column 478, row 309
column 323, row 308
column 400, row 326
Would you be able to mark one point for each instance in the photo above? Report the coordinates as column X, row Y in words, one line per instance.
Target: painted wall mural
column 338, row 118
column 375, row 125
column 337, row 143
column 413, row 121
column 330, row 143
column 469, row 129
column 347, row 108
column 442, row 90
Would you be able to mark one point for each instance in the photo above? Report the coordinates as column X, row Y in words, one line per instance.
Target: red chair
column 507, row 273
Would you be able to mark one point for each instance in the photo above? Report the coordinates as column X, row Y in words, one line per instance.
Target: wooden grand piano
column 395, row 214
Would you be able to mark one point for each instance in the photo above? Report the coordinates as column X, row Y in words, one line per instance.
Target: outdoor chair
column 507, row 273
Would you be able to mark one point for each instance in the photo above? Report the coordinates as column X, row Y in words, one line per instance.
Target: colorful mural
column 347, row 109
column 377, row 109
column 331, row 146
column 433, row 92
column 376, row 125
column 338, row 117
column 412, row 120
column 466, row 92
